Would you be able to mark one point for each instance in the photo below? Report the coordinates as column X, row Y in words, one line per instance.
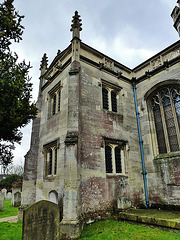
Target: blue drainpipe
column 141, row 146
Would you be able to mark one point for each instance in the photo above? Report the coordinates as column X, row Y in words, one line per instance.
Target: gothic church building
column 106, row 136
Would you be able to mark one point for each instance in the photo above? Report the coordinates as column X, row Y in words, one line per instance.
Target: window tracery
column 166, row 113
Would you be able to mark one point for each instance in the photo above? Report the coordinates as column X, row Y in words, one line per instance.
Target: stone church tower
column 106, row 136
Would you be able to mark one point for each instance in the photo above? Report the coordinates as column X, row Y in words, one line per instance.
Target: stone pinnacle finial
column 44, row 64
column 76, row 25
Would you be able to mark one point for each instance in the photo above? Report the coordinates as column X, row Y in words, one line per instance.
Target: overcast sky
column 127, row 30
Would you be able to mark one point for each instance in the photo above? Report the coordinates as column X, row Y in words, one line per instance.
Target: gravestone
column 9, row 196
column 17, row 199
column 41, row 221
column 4, row 191
column 15, row 195
column 1, row 201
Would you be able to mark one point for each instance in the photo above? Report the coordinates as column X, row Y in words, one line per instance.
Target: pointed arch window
column 166, row 113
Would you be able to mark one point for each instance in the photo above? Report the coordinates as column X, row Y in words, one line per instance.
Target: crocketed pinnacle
column 44, row 62
column 76, row 25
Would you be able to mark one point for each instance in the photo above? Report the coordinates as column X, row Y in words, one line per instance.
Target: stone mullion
column 109, row 99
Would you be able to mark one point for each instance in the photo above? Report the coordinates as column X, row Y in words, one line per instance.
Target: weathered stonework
column 72, row 129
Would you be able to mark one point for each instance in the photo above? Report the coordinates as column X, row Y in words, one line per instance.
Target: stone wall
column 162, row 170
column 100, row 191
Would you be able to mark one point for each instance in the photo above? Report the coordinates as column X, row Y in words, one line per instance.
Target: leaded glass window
column 55, row 162
column 113, row 101
column 109, row 97
column 55, row 100
column 50, row 162
column 105, row 99
column 59, row 100
column 113, row 159
column 166, row 112
column 108, row 156
column 118, row 160
column 54, row 105
column 50, row 151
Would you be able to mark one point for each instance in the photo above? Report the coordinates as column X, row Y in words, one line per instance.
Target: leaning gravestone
column 1, row 201
column 41, row 221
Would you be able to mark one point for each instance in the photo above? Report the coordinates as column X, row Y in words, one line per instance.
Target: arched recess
column 53, row 196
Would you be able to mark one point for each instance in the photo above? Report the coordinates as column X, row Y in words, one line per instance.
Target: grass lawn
column 117, row 230
column 103, row 230
column 10, row 231
column 8, row 210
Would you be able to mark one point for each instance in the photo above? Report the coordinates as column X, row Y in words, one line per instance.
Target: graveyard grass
column 8, row 210
column 119, row 230
column 103, row 230
column 10, row 231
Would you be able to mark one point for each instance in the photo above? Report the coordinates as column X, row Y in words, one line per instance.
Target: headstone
column 41, row 221
column 9, row 196
column 4, row 191
column 14, row 194
column 1, row 201
column 17, row 199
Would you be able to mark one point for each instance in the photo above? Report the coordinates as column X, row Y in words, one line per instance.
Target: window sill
column 116, row 175
column 112, row 113
column 50, row 177
column 167, row 155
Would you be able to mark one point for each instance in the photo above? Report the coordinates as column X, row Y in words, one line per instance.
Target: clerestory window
column 114, row 159
column 165, row 105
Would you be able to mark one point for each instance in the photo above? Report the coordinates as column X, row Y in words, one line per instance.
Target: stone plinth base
column 70, row 229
